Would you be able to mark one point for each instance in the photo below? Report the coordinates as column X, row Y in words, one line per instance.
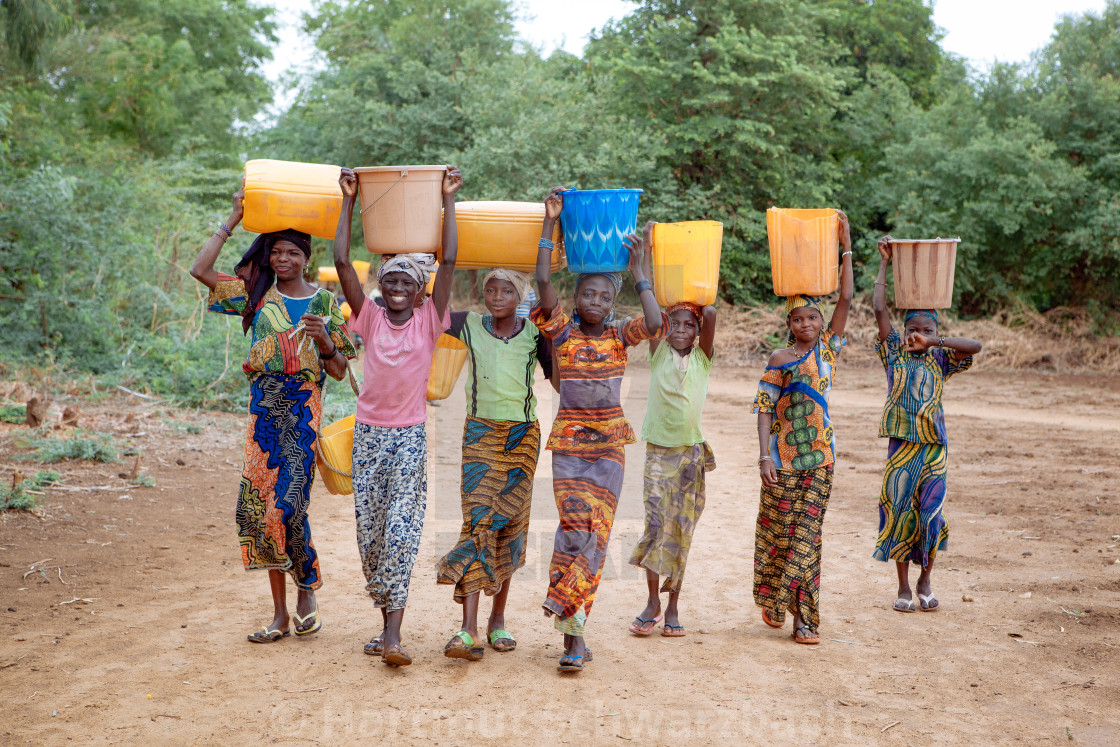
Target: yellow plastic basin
column 335, row 456
column 686, row 261
column 447, row 364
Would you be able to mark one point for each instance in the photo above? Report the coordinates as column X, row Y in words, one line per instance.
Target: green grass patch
column 92, row 447
column 25, row 496
column 13, row 413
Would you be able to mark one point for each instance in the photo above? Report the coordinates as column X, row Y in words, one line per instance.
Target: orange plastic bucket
column 447, row 364
column 503, row 234
column 287, row 194
column 401, row 208
column 923, row 272
column 804, row 251
column 686, row 261
column 334, row 456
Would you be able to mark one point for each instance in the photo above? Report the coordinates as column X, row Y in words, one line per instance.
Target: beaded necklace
column 488, row 324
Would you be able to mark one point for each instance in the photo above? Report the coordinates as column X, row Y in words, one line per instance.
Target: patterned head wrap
column 417, row 266
column 796, row 302
column 615, row 279
column 931, row 313
column 255, row 268
column 689, row 307
column 519, row 280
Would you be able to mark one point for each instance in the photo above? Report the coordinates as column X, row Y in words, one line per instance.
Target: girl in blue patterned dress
column 912, row 527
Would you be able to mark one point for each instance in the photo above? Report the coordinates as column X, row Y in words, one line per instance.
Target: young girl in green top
column 677, row 457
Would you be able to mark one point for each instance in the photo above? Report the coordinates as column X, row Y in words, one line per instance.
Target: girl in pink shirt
column 390, row 447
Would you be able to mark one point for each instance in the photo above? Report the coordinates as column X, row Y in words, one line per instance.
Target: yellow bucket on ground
column 287, row 194
column 686, row 261
column 447, row 364
column 335, row 455
column 804, row 251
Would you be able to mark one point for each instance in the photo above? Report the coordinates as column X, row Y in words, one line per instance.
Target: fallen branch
column 893, row 723
column 80, row 600
column 11, row 663
column 126, row 390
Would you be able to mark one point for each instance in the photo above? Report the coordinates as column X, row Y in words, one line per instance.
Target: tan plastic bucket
column 401, row 208
column 923, row 272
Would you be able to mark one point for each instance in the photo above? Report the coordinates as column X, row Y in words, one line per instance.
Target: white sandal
column 904, row 605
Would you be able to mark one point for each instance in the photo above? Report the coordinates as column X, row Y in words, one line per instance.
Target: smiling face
column 594, row 299
column 683, row 329
column 805, row 324
column 287, row 260
column 501, row 298
column 399, row 291
column 921, row 324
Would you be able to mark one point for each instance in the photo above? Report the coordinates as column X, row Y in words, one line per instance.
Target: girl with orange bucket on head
column 797, row 451
column 677, row 456
column 390, row 446
column 501, row 444
column 590, row 430
column 912, row 527
column 298, row 337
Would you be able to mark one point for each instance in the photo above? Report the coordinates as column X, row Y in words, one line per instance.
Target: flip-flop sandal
column 587, row 657
column 672, row 631
column 770, row 621
column 929, row 603
column 462, row 646
column 646, row 626
column 395, row 656
column 374, row 647
column 502, row 635
column 810, row 639
column 904, row 605
column 264, row 635
column 570, row 664
column 300, row 622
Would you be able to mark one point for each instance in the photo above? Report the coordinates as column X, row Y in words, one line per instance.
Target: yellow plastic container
column 335, row 456
column 431, row 281
column 447, row 364
column 287, row 194
column 344, row 307
column 686, row 261
column 328, row 273
column 804, row 251
column 401, row 208
column 923, row 272
column 503, row 234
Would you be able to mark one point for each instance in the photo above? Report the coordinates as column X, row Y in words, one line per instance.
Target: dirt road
column 135, row 629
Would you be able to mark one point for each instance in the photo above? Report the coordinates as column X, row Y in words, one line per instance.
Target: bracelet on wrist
column 546, row 244
column 332, row 354
column 227, row 229
column 845, row 254
column 765, row 459
column 878, row 283
column 941, row 342
column 643, row 285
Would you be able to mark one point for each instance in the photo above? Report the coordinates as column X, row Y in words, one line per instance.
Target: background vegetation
column 124, row 123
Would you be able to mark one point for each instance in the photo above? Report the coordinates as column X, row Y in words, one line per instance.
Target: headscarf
column 418, row 266
column 255, row 269
column 519, row 280
column 799, row 301
column 931, row 313
column 615, row 279
column 689, row 307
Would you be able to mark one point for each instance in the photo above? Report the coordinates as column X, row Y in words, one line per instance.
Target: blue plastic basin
column 594, row 222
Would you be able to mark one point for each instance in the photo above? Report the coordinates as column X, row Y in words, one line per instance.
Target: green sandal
column 502, row 635
column 462, row 646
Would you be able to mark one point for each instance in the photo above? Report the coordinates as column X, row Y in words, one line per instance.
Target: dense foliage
column 123, row 124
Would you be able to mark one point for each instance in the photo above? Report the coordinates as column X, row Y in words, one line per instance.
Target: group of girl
column 299, row 336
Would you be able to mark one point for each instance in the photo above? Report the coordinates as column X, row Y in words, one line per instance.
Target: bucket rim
column 291, row 163
column 689, row 223
column 938, row 240
column 601, row 191
column 403, row 167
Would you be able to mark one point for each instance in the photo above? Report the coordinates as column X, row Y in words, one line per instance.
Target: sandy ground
column 156, row 652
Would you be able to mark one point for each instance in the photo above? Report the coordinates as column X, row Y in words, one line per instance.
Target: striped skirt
column 586, row 497
column 787, row 544
column 276, row 482
column 674, row 482
column 499, row 461
column 912, row 527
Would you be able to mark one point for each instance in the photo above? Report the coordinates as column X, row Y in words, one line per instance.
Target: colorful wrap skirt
column 275, row 492
column 390, row 476
column 586, row 497
column 674, row 498
column 787, row 544
column 499, row 461
column 912, row 527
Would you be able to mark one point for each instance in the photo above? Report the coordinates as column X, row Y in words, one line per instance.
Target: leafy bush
column 94, row 447
column 23, row 496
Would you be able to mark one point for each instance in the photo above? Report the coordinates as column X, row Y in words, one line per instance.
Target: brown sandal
column 396, row 656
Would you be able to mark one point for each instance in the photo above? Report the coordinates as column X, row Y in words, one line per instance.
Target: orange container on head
column 287, row 194
column 503, row 234
column 401, row 208
column 923, row 272
column 686, row 261
column 447, row 364
column 804, row 251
